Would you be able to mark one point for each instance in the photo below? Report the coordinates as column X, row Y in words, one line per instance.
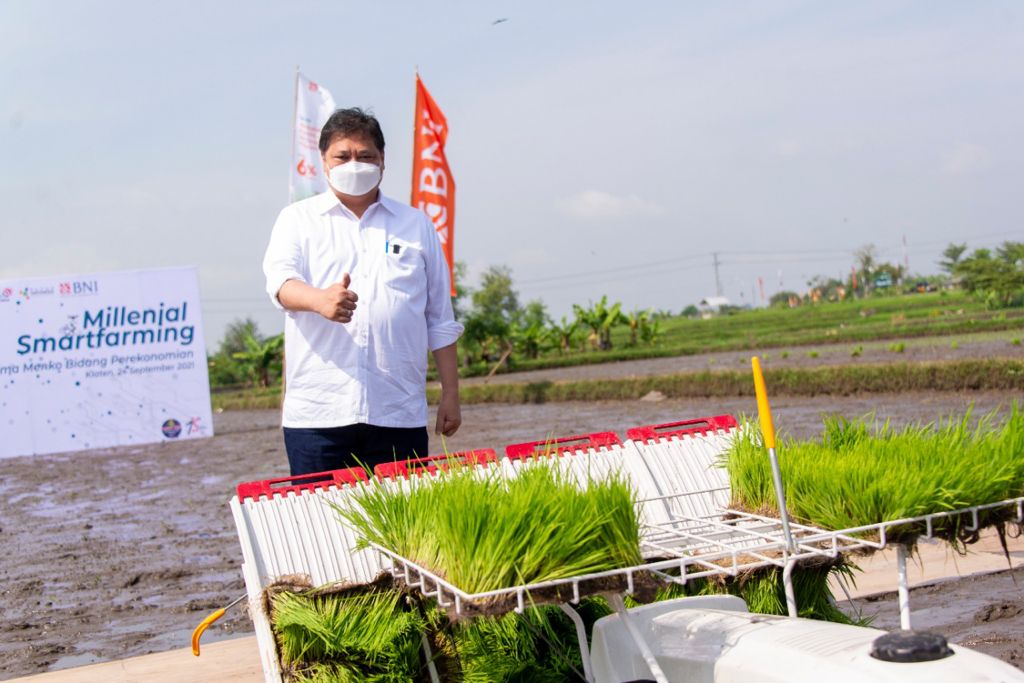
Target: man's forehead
column 354, row 140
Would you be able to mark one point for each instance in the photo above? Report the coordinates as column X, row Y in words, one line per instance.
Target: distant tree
column 600, row 318
column 488, row 326
column 530, row 335
column 462, row 292
column 783, row 299
column 262, row 358
column 1012, row 253
column 496, row 296
column 564, row 333
column 951, row 257
column 530, row 339
column 866, row 258
column 690, row 311
column 223, row 368
column 237, row 331
column 650, row 329
column 997, row 278
column 534, row 313
column 825, row 288
column 637, row 320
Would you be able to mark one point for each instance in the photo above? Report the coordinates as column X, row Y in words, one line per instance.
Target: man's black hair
column 351, row 123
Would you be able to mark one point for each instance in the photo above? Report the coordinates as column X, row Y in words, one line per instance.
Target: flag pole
column 295, row 116
column 415, row 123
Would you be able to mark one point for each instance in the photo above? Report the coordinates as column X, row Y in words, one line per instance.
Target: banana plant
column 600, row 318
column 261, row 358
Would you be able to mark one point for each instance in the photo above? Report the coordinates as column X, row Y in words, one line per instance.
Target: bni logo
column 79, row 288
column 6, row 293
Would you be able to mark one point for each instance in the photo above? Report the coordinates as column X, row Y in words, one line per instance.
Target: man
column 364, row 284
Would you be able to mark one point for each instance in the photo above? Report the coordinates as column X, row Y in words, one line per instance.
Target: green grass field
column 895, row 322
column 877, row 318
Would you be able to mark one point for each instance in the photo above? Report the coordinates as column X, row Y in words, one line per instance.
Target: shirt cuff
column 274, row 285
column 440, row 335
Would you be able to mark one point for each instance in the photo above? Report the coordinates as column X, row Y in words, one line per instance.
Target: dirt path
column 120, row 552
column 984, row 345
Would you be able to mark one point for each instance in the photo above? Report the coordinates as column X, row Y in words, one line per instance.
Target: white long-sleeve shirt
column 373, row 369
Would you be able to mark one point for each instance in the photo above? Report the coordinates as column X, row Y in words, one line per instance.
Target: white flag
column 313, row 106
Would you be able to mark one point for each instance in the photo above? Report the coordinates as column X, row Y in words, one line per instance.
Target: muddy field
column 983, row 612
column 114, row 553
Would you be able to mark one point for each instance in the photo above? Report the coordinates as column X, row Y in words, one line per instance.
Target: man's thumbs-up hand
column 338, row 301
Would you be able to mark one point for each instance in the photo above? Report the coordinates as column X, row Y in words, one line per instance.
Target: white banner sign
column 105, row 359
column 313, row 106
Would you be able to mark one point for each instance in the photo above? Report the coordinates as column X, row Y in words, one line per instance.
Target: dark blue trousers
column 359, row 445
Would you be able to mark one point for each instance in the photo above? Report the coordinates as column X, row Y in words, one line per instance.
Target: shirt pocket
column 404, row 273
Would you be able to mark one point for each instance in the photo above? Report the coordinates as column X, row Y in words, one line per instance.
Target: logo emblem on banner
column 305, row 169
column 79, row 288
column 171, row 428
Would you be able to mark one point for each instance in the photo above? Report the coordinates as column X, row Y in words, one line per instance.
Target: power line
column 620, row 269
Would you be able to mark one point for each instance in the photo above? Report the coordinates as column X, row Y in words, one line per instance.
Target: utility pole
column 718, row 283
column 906, row 258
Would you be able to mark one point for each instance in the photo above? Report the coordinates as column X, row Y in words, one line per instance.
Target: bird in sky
column 499, row 21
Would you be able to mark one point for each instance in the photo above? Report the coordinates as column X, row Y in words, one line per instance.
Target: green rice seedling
column 763, row 591
column 1015, row 341
column 482, row 532
column 812, row 354
column 897, row 347
column 784, row 355
column 857, row 351
column 334, row 637
column 858, row 474
column 954, row 345
column 538, row 645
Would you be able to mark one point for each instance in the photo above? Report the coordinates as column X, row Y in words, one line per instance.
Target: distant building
column 711, row 305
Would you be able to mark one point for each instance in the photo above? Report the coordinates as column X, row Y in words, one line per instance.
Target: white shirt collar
column 325, row 201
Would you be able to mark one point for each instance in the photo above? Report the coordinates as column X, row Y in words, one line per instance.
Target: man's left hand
column 449, row 416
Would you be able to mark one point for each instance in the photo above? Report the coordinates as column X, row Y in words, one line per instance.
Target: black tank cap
column 910, row 646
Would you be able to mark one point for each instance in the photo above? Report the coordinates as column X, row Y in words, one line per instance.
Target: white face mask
column 354, row 178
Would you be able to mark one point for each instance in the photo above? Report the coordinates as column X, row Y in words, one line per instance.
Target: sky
column 598, row 148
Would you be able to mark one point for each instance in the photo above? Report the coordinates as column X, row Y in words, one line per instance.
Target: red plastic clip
column 701, row 425
column 430, row 465
column 565, row 444
column 303, row 482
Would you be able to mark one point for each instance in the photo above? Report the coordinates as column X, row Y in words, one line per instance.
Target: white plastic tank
column 714, row 639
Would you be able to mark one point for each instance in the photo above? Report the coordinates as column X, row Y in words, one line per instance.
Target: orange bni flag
column 433, row 188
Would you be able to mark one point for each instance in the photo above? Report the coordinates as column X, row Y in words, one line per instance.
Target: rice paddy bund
column 859, row 474
column 996, row 374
